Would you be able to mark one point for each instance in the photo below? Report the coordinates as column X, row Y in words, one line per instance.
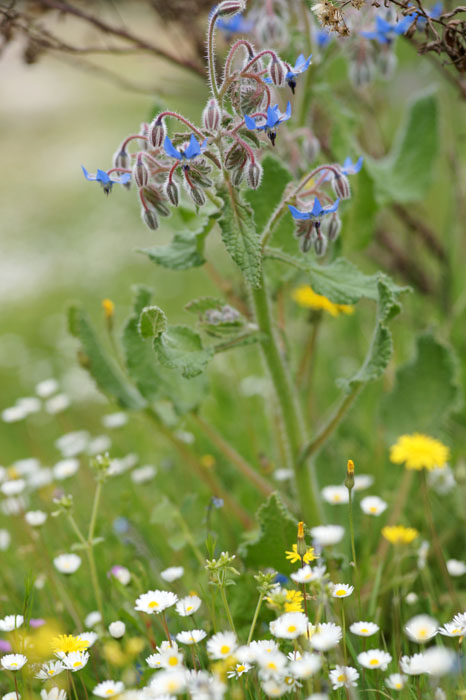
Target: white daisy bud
column 117, row 629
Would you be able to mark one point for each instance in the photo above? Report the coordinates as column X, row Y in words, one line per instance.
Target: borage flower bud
column 144, row 131
column 254, row 175
column 157, row 133
column 237, row 176
column 320, row 244
column 121, row 159
column 173, row 192
column 312, row 148
column 277, row 72
column 235, row 156
column 211, row 115
column 271, row 29
column 197, row 195
column 150, row 218
column 333, row 228
column 140, row 172
column 341, row 186
column 229, row 8
column 154, row 197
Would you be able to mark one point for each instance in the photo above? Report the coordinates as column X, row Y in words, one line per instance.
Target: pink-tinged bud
column 173, row 193
column 211, row 116
column 277, row 72
column 341, row 186
column 333, row 227
column 140, row 173
column 254, row 175
column 237, row 177
column 157, row 133
column 320, row 244
column 144, row 131
column 156, row 199
column 229, row 8
column 197, row 195
column 150, row 218
column 121, row 159
column 235, row 157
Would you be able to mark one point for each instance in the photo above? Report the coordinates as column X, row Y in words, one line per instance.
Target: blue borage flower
column 350, row 168
column 192, row 151
column 433, row 13
column 301, row 65
column 274, row 119
column 234, row 25
column 322, row 38
column 106, row 180
column 316, row 213
column 385, row 32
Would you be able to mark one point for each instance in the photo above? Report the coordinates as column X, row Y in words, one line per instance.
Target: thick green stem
column 289, row 408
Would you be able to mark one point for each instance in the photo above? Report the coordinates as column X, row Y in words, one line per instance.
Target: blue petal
column 287, row 115
column 267, row 80
column 170, row 149
column 329, row 210
column 86, row 174
column 403, row 25
column 250, row 122
column 273, row 115
column 382, row 25
column 122, row 179
column 193, row 149
column 102, row 177
column 296, row 214
column 317, row 208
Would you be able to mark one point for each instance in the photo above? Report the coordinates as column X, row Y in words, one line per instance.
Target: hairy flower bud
column 211, row 115
column 361, row 72
column 140, row 173
column 197, row 195
column 341, row 186
column 254, row 175
column 155, row 198
column 144, row 131
column 229, row 8
column 320, row 244
column 386, row 62
column 237, row 176
column 121, row 159
column 235, row 157
column 157, row 132
column 333, row 227
column 173, row 193
column 150, row 218
column 277, row 72
column 312, row 148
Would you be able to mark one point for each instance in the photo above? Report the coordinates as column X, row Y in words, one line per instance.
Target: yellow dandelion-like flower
column 108, row 307
column 419, row 451
column 294, row 601
column 306, row 297
column 66, row 643
column 397, row 534
column 294, row 557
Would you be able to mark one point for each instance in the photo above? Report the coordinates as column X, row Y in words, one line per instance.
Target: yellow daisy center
column 224, row 649
column 109, row 692
column 189, row 608
column 240, row 668
column 423, row 632
column 292, row 628
column 272, row 665
column 364, row 630
column 340, row 592
column 77, row 664
column 373, row 509
column 173, row 661
column 374, row 662
column 342, row 678
column 153, row 604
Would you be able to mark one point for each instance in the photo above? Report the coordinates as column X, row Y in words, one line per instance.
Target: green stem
column 90, row 549
column 254, row 619
column 289, row 408
column 227, row 607
column 16, row 687
column 343, row 627
column 211, row 55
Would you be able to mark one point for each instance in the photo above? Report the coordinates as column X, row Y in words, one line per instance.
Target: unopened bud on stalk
column 277, row 72
column 173, row 193
column 109, row 311
column 150, row 218
column 254, row 175
column 229, row 8
column 121, row 159
column 301, row 544
column 211, row 116
column 197, row 195
column 320, row 244
column 341, row 186
column 333, row 228
column 144, row 131
column 237, row 176
column 140, row 172
column 349, row 481
column 361, row 72
column 157, row 133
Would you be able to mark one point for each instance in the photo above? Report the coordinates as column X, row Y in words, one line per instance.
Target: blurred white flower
column 5, row 540
column 57, row 404
column 364, row 629
column 456, row 567
column 143, row 474
column 11, row 622
column 396, row 681
column 72, row 444
column 327, row 535
column 289, row 626
column 421, row 628
column 13, row 487
column 441, row 479
column 117, row 629
column 65, row 468
column 93, row 618
column 99, row 445
column 172, row 573
column 46, row 388
column 439, row 660
column 191, row 636
column 67, row 563
column 188, row 605
column 35, row 518
column 107, row 689
column 373, row 505
column 115, row 420
column 362, row 481
column 222, row 645
column 374, row 658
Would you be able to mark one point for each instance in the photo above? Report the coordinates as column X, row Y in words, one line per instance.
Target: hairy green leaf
column 180, row 347
column 425, row 393
column 240, row 237
column 186, row 249
column 152, row 322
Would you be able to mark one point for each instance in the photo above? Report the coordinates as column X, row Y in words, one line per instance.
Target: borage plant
column 259, row 207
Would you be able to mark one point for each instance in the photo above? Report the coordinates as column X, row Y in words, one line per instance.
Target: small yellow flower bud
column 301, row 541
column 349, row 481
column 109, row 308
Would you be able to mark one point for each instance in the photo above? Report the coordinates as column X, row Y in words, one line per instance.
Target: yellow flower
column 294, row 557
column 208, row 461
column 67, row 643
column 419, row 451
column 306, row 297
column 397, row 534
column 294, row 601
column 108, row 307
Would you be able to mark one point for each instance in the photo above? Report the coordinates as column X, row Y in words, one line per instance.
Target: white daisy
column 154, row 660
column 396, row 681
column 439, row 660
column 362, row 481
column 171, row 658
column 188, row 605
column 343, row 677
column 89, row 637
column 341, row 590
column 172, row 573
column 107, row 689
column 75, row 660
column 271, row 664
column 65, row 468
column 13, row 487
column 13, row 662
column 35, row 518
column 168, row 682
column 374, row 658
column 364, row 629
column 305, row 666
column 450, row 629
column 239, row 670
column 53, row 694
column 191, row 636
column 456, row 567
column 327, row 535
column 49, row 670
column 289, row 626
column 256, row 648
column 308, row 574
column 67, row 563
column 11, row 622
column 373, row 505
column 93, row 618
column 335, row 494
column 72, row 444
column 421, row 628
column 155, row 601
column 326, row 637
column 460, row 619
column 142, row 475
column 117, row 629
column 11, row 696
column 413, row 665
column 274, row 688
column 222, row 645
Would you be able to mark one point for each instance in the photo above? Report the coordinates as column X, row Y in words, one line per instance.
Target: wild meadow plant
column 303, row 608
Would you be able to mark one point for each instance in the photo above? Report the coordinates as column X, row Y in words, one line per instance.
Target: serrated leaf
column 180, row 347
column 203, row 304
column 102, row 368
column 425, row 393
column 186, row 250
column 152, row 322
column 142, row 297
column 240, row 237
column 277, row 533
column 405, row 174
